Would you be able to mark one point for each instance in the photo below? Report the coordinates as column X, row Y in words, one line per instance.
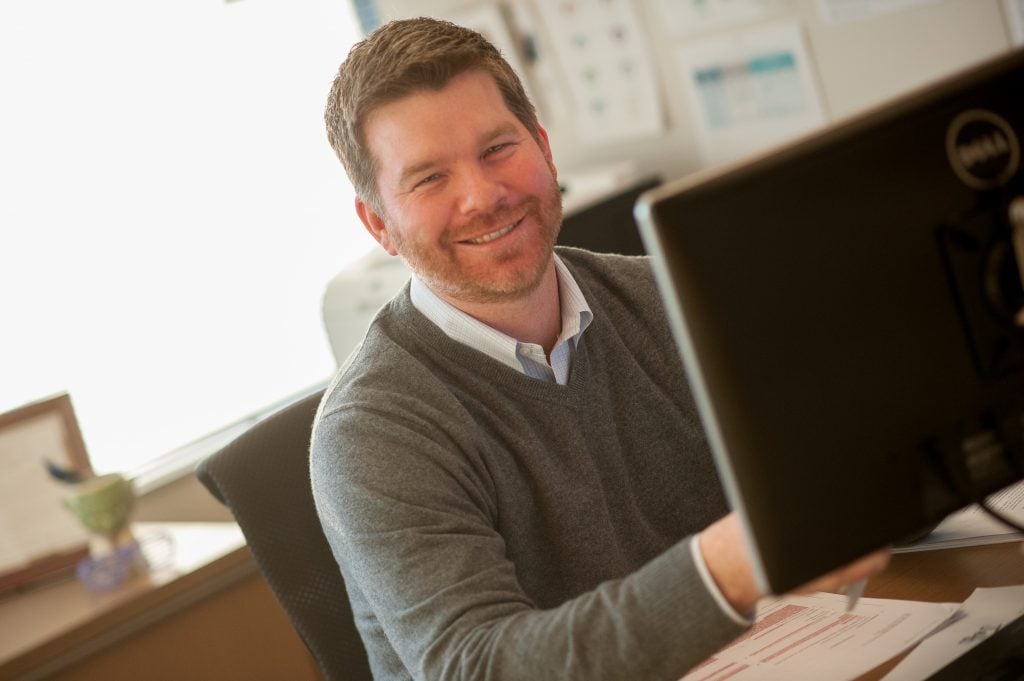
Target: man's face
column 469, row 198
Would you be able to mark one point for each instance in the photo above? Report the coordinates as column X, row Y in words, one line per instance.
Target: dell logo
column 983, row 149
column 989, row 148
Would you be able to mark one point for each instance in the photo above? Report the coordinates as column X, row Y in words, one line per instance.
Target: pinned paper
column 689, row 17
column 603, row 55
column 749, row 90
column 841, row 11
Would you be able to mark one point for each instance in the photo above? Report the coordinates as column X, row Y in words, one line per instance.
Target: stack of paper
column 972, row 526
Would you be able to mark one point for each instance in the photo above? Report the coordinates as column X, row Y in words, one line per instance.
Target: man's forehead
column 426, row 126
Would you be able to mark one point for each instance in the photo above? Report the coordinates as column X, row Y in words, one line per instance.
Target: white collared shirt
column 529, row 358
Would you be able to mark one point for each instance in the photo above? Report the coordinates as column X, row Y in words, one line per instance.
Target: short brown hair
column 396, row 60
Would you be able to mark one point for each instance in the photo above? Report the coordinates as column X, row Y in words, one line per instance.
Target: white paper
column 972, row 526
column 587, row 185
column 1014, row 11
column 979, row 617
column 813, row 637
column 840, row 11
column 609, row 73
column 682, row 18
column 487, row 20
column 551, row 99
column 749, row 90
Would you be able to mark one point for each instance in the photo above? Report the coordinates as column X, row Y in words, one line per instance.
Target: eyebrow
column 422, row 166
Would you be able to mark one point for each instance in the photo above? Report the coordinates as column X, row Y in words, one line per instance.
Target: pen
column 853, row 592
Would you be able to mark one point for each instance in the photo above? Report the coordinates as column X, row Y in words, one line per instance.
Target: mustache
column 501, row 216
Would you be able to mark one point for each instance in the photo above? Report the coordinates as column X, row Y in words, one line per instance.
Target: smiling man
column 510, row 469
column 468, row 198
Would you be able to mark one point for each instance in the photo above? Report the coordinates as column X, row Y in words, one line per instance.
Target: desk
column 207, row 614
column 946, row 575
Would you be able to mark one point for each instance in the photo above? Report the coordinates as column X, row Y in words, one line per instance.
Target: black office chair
column 263, row 478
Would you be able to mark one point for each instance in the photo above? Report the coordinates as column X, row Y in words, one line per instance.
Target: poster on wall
column 841, row 11
column 551, row 100
column 682, row 18
column 603, row 56
column 514, row 29
column 749, row 90
column 488, row 20
column 1014, row 11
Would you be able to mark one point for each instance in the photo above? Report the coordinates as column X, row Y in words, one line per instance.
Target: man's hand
column 725, row 555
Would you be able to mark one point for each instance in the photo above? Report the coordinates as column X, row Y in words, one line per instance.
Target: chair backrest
column 263, row 478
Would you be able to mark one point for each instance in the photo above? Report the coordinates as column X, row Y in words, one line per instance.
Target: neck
column 533, row 318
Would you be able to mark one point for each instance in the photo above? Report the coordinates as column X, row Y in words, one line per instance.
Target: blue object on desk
column 113, row 569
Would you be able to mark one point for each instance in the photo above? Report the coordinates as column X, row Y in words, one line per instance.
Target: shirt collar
column 460, row 327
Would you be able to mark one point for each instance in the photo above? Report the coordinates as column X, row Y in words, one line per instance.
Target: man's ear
column 545, row 147
column 375, row 225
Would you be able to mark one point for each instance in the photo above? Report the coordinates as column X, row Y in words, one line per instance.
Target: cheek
column 540, row 173
column 420, row 222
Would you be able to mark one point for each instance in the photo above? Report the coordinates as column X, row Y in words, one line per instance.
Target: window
column 171, row 212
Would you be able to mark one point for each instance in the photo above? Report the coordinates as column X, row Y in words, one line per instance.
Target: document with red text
column 813, row 637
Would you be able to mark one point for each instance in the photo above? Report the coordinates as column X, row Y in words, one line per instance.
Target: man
column 510, row 469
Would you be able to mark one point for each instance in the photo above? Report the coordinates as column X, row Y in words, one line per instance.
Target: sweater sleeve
column 412, row 525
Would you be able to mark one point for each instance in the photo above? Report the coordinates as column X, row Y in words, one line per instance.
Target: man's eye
column 496, row 148
column 427, row 180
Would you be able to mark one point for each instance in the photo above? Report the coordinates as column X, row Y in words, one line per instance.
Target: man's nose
column 479, row 191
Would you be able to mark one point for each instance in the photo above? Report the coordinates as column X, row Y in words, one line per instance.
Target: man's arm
column 413, row 524
column 726, row 558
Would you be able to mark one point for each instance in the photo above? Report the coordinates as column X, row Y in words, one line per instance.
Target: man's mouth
column 497, row 234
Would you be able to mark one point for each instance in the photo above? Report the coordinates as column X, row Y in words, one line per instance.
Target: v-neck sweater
column 494, row 526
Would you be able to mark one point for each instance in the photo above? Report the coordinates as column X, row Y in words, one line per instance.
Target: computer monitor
column 608, row 226
column 848, row 308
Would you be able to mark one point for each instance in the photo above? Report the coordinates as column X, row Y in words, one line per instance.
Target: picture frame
column 39, row 537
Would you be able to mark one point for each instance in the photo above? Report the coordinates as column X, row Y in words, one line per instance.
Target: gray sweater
column 493, row 526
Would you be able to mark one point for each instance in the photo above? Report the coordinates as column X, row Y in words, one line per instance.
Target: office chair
column 263, row 478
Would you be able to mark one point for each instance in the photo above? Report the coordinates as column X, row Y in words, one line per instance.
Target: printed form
column 813, row 637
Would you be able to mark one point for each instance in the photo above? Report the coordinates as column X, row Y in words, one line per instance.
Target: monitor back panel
column 845, row 309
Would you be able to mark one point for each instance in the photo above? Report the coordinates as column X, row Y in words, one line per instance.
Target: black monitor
column 608, row 226
column 849, row 309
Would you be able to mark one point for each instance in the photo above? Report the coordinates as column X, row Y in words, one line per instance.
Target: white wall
column 859, row 64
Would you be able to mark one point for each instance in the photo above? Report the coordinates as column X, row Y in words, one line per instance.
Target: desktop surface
column 45, row 631
column 208, row 597
column 946, row 576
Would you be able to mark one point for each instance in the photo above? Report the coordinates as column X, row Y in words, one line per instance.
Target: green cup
column 103, row 504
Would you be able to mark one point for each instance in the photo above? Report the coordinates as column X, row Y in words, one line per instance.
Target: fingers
column 726, row 559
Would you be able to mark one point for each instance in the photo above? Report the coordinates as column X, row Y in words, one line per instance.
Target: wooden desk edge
column 136, row 613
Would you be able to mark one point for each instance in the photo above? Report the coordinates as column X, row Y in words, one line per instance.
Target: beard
column 507, row 274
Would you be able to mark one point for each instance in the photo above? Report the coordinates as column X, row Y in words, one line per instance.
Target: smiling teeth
column 493, row 235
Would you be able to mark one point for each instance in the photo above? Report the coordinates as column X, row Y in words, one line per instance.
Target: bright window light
column 170, row 210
